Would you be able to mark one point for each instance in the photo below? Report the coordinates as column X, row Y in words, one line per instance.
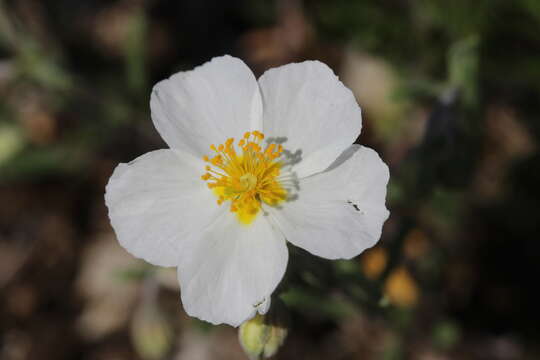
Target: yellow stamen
column 248, row 178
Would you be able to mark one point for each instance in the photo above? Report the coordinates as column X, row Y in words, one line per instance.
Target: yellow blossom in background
column 373, row 262
column 401, row 288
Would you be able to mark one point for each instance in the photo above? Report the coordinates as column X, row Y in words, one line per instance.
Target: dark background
column 450, row 95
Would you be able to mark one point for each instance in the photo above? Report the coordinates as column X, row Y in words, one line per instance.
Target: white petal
column 194, row 109
column 265, row 305
column 306, row 104
column 338, row 213
column 231, row 270
column 156, row 201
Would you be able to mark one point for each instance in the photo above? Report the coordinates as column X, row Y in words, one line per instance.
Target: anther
column 270, row 149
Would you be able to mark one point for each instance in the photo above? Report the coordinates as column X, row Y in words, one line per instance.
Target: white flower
column 223, row 216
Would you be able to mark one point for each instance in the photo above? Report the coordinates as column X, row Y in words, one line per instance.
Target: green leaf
column 463, row 68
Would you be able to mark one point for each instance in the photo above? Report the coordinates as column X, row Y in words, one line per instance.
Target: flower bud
column 261, row 338
column 151, row 333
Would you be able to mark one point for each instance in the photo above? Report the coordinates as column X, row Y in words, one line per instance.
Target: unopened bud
column 151, row 333
column 261, row 338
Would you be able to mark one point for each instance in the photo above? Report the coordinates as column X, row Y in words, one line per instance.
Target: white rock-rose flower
column 251, row 165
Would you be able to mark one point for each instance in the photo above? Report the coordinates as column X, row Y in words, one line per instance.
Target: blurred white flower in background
column 251, row 165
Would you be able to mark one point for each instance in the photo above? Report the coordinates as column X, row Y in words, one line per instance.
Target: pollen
column 245, row 175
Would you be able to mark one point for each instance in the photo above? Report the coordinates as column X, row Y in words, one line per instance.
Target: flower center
column 247, row 177
column 248, row 181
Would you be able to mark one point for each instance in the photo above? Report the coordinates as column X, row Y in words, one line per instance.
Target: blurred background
column 450, row 92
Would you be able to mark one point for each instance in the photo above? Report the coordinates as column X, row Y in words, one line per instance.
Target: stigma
column 245, row 174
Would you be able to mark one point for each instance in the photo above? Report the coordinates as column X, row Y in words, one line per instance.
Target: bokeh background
column 450, row 92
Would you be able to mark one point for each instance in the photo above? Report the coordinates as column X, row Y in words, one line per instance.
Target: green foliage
column 35, row 65
column 446, row 335
column 32, row 163
column 463, row 68
column 135, row 53
column 308, row 302
column 135, row 273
